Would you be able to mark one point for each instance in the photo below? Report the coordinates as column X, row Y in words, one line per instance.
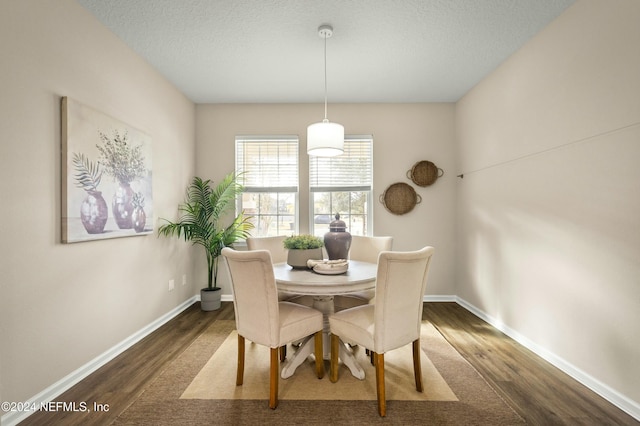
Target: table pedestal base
column 325, row 305
column 307, row 348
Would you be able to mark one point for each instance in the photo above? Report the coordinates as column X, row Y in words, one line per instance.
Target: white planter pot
column 297, row 259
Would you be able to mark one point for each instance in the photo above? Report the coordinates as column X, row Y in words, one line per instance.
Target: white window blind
column 351, row 171
column 270, row 164
column 343, row 184
column 269, row 167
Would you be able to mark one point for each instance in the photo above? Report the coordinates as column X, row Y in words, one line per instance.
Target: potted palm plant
column 201, row 222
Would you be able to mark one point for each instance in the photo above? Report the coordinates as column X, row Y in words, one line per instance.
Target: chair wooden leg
column 417, row 369
column 382, row 402
column 283, row 353
column 273, row 379
column 240, row 369
column 333, row 370
column 319, row 353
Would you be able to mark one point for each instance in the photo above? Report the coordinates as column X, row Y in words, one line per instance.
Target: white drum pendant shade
column 325, row 139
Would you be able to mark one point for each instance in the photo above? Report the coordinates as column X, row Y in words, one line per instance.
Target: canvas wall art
column 106, row 176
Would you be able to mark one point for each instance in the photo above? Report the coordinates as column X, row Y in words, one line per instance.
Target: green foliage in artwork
column 88, row 174
column 125, row 163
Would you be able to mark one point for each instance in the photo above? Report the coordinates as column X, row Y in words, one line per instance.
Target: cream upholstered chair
column 262, row 319
column 393, row 321
column 365, row 249
column 275, row 245
column 279, row 253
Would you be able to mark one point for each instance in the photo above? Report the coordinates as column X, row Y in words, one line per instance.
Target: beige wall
column 62, row 305
column 549, row 239
column 402, row 135
column 547, row 214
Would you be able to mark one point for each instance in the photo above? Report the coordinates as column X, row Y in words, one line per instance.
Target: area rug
column 198, row 388
column 217, row 379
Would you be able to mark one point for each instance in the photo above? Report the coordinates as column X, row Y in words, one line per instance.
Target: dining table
column 360, row 276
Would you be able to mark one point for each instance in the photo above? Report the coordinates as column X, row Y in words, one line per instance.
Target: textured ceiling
column 227, row 51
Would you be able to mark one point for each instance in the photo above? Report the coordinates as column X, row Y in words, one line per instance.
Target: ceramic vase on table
column 337, row 241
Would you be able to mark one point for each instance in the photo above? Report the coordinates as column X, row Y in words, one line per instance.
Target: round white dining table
column 360, row 276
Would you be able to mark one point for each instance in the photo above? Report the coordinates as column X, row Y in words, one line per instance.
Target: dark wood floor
column 539, row 392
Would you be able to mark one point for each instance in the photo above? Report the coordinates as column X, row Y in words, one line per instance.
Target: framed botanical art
column 106, row 176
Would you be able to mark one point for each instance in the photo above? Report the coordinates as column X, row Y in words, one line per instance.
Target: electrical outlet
column 184, row 279
column 172, row 285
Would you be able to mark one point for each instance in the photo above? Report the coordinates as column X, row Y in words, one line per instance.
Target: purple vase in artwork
column 94, row 212
column 139, row 218
column 122, row 206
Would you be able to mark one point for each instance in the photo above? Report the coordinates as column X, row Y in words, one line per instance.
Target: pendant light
column 325, row 139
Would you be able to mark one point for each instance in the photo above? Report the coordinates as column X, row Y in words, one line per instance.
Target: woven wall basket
column 400, row 198
column 424, row 173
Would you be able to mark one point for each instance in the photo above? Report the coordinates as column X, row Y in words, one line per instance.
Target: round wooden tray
column 424, row 173
column 400, row 198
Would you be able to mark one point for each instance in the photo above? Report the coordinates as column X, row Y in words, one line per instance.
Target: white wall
column 549, row 207
column 62, row 305
column 402, row 135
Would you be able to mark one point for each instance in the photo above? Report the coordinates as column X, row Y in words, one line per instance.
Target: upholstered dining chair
column 393, row 321
column 262, row 319
column 275, row 246
column 365, row 249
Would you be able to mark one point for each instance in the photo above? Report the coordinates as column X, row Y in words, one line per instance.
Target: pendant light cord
column 325, row 78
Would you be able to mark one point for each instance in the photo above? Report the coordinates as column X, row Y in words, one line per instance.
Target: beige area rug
column 169, row 400
column 217, row 379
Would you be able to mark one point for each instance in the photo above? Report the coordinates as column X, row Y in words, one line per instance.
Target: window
column 343, row 184
column 270, row 167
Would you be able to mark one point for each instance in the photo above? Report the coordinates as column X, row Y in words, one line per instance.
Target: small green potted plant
column 302, row 248
column 201, row 222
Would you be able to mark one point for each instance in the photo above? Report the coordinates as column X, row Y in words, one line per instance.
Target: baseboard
column 62, row 385
column 229, row 298
column 450, row 298
column 444, row 298
column 622, row 402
